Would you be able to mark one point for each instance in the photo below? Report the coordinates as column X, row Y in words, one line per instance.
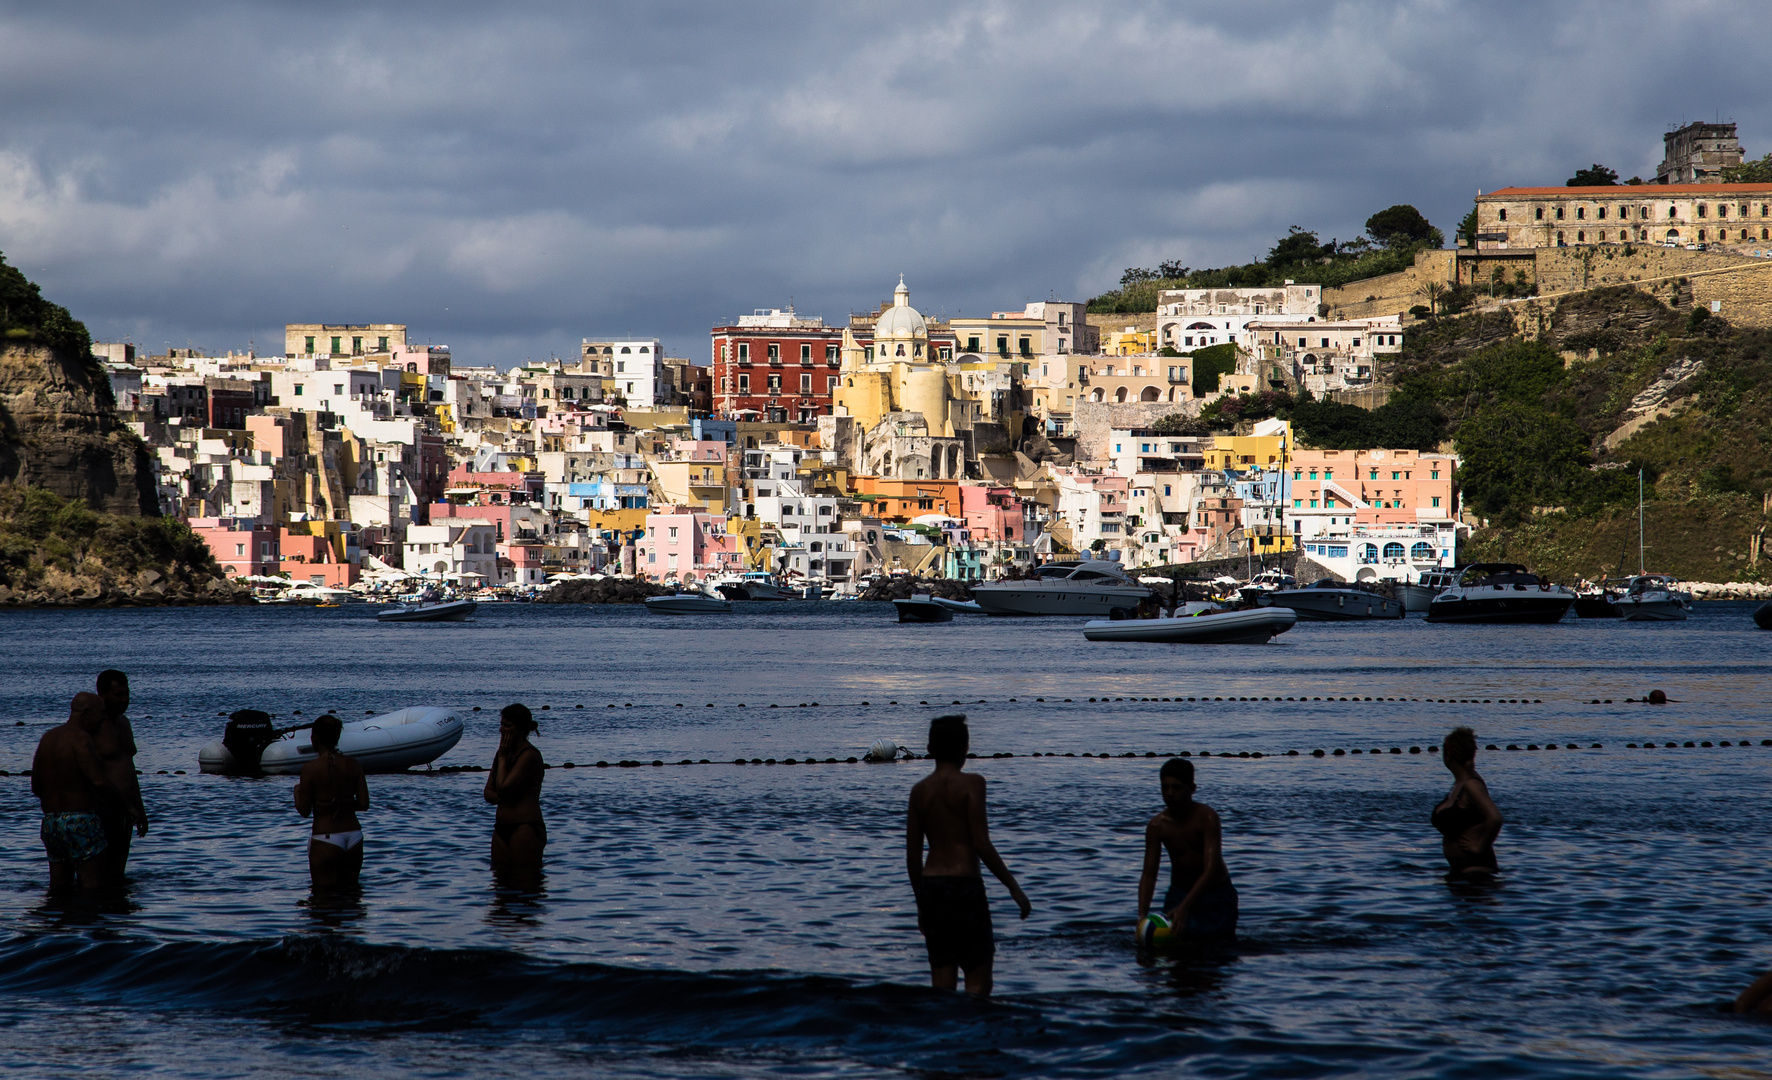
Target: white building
column 631, row 370
column 454, row 546
column 1325, row 356
column 1189, row 319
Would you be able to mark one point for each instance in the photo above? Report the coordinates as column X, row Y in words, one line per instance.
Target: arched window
column 1120, row 394
column 900, row 350
column 625, row 350
column 1151, row 393
column 1421, row 551
column 1369, row 553
column 1393, row 550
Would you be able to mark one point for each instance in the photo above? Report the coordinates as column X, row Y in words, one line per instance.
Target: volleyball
column 1154, row 931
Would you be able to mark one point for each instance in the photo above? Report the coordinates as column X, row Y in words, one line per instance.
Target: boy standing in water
column 947, row 808
column 1201, row 902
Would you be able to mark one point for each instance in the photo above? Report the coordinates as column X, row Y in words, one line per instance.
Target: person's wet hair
column 327, row 730
column 1461, row 745
column 1180, row 768
column 520, row 717
column 949, row 738
column 111, row 677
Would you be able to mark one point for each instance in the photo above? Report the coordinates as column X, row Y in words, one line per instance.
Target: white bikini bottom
column 344, row 841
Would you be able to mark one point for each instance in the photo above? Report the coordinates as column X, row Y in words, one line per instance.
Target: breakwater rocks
column 904, row 587
column 98, row 587
column 607, row 591
column 1729, row 590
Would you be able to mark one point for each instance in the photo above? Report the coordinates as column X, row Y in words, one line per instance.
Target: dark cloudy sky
column 511, row 178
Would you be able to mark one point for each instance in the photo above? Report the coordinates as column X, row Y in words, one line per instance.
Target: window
column 298, row 390
column 338, row 388
column 1559, row 213
column 830, row 385
column 1581, row 213
column 805, row 384
column 240, row 549
column 1601, row 213
column 1436, row 500
column 1313, row 504
column 774, row 351
column 1581, row 238
column 744, row 350
column 1166, row 489
column 310, row 345
column 335, row 346
column 673, row 532
column 381, row 344
column 625, row 350
column 775, row 384
column 744, row 384
column 1421, row 550
column 830, row 354
column 1538, row 214
column 1560, row 240
column 1673, row 212
column 1301, row 343
column 1701, row 209
column 356, row 346
column 1003, row 344
column 805, row 354
column 1374, row 473
column 1325, row 344
column 1503, row 218
column 1434, row 474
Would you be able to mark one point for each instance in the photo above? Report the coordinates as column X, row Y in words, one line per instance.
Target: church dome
column 901, row 320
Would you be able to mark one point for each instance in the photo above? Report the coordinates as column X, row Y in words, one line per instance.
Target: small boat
column 1500, row 593
column 309, row 593
column 922, row 609
column 755, row 585
column 1763, row 616
column 1200, row 624
column 1653, row 598
column 387, row 743
column 959, row 607
column 1329, row 600
column 1598, row 602
column 1077, row 587
column 688, row 603
column 1268, row 581
column 447, row 611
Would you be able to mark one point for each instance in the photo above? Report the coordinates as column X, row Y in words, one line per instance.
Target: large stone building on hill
column 1730, row 216
column 1698, row 153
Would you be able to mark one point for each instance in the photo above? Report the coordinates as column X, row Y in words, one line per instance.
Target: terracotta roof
column 1647, row 191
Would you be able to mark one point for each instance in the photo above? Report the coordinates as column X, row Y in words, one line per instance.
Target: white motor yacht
column 1653, row 598
column 1267, row 581
column 688, row 603
column 1500, row 593
column 309, row 593
column 1091, row 587
column 1418, row 595
column 755, row 585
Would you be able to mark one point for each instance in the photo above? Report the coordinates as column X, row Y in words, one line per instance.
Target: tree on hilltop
column 1749, row 172
column 1402, row 225
column 1595, row 175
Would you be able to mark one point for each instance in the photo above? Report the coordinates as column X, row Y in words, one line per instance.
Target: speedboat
column 447, row 611
column 1500, row 593
column 755, row 585
column 959, row 607
column 1330, row 600
column 1078, row 587
column 309, row 593
column 1653, row 598
column 688, row 603
column 386, row 743
column 1198, row 624
column 1268, row 581
column 922, row 609
column 1417, row 595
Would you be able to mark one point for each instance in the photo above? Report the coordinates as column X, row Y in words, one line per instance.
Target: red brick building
column 775, row 366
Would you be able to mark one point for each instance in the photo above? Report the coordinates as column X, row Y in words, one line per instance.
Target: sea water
column 720, row 919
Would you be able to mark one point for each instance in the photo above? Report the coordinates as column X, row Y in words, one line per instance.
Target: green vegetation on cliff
column 57, row 552
column 26, row 317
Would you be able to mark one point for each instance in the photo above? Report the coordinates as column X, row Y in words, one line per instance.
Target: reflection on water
column 752, row 920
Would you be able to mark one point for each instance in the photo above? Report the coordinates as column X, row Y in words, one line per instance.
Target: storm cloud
column 509, row 179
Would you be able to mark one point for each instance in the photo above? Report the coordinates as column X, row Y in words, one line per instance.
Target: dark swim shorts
column 956, row 921
column 1214, row 914
column 73, row 836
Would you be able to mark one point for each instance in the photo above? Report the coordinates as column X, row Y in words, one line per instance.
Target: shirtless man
column 69, row 781
column 1201, row 902
column 115, row 743
column 947, row 808
column 332, row 789
column 514, row 786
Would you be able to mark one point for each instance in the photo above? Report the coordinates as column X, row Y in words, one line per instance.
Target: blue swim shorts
column 73, row 836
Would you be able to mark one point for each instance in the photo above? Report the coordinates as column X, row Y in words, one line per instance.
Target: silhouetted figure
column 1201, row 902
column 333, row 790
column 121, row 812
column 70, row 783
column 514, row 786
column 1758, row 997
column 1468, row 819
column 948, row 808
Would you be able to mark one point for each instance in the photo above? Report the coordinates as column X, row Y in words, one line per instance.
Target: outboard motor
column 249, row 732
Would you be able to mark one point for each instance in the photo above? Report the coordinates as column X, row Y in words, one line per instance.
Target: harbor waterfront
column 719, row 919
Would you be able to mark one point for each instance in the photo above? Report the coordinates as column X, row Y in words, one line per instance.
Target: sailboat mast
column 1641, row 569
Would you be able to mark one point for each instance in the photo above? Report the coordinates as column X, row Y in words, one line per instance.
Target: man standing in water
column 947, row 807
column 1201, row 902
column 123, row 810
column 332, row 788
column 67, row 779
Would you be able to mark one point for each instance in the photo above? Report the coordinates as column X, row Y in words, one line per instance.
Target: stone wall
column 1095, row 419
column 59, row 431
column 1391, row 294
column 1574, row 268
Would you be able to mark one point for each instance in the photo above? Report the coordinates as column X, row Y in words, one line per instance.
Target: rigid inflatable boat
column 387, row 743
column 1198, row 624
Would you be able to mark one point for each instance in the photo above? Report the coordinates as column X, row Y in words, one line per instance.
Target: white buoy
column 883, row 750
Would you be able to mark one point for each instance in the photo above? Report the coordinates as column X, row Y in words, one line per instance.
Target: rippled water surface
column 719, row 919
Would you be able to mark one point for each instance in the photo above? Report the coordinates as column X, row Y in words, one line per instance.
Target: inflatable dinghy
column 387, row 743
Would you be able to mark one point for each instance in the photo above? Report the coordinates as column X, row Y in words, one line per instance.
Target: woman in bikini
column 514, row 786
column 1468, row 819
column 333, row 790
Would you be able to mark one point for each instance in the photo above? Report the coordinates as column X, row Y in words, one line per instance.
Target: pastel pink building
column 993, row 513
column 312, row 559
column 682, row 544
column 243, row 547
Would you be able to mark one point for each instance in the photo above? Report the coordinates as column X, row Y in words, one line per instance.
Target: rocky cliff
column 58, row 425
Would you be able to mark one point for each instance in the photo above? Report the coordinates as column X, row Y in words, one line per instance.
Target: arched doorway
column 1120, row 394
column 1151, row 393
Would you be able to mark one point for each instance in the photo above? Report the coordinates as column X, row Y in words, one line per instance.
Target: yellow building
column 901, row 376
column 1268, row 450
column 1132, row 342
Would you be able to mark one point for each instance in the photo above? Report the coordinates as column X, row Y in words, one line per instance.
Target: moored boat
column 688, row 603
column 386, row 743
column 1264, row 584
column 755, row 585
column 1598, row 601
column 1203, row 625
column 1500, row 593
column 1077, row 587
column 447, row 611
column 1329, row 600
column 1418, row 595
column 922, row 609
column 1653, row 598
column 959, row 607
